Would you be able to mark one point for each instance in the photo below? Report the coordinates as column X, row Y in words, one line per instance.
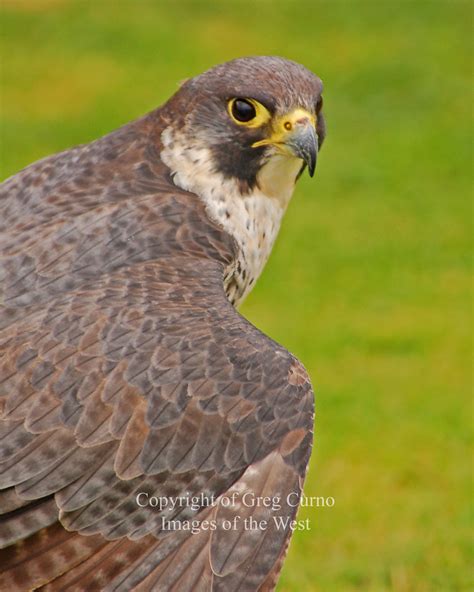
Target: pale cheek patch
column 278, row 176
column 253, row 220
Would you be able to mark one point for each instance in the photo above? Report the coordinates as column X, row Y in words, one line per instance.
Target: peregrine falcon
column 146, row 423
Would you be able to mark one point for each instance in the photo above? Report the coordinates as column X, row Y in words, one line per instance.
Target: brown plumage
column 126, row 369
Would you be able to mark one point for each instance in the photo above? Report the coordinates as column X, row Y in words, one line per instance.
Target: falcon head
column 255, row 120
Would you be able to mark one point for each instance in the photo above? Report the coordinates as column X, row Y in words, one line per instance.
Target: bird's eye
column 319, row 105
column 243, row 110
column 248, row 112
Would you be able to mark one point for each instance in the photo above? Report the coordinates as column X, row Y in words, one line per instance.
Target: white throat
column 253, row 219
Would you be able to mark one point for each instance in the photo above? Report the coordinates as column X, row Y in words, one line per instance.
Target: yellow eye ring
column 243, row 111
column 248, row 112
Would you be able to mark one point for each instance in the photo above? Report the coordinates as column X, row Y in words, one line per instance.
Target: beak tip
column 311, row 159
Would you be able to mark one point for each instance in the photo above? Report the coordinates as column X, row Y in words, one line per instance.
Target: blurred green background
column 369, row 283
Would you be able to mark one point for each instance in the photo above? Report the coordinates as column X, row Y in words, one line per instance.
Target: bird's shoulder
column 95, row 209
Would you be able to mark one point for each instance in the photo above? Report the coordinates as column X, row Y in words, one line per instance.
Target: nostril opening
column 287, row 125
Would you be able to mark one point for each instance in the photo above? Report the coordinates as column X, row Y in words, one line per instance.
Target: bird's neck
column 252, row 219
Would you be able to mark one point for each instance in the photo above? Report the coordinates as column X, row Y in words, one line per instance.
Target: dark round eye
column 243, row 110
column 319, row 105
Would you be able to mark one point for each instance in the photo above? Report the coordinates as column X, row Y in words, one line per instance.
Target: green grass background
column 369, row 283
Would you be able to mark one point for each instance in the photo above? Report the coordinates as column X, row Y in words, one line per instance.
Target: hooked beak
column 304, row 144
column 295, row 135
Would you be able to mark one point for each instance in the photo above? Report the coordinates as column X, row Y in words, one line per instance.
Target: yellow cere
column 283, row 126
